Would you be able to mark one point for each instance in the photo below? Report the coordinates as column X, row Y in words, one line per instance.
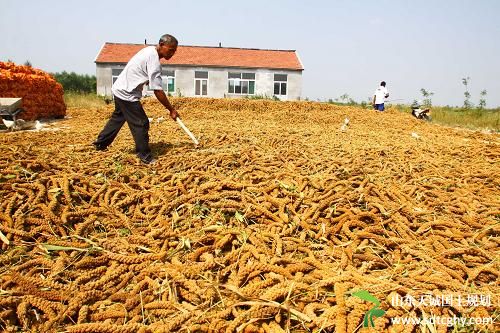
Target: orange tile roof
column 208, row 56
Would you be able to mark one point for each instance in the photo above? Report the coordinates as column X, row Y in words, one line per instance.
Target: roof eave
column 300, row 60
column 99, row 53
column 205, row 65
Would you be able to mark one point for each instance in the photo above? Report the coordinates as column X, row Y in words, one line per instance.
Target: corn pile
column 270, row 226
column 42, row 95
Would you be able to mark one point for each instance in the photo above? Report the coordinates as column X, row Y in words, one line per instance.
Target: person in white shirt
column 143, row 68
column 379, row 97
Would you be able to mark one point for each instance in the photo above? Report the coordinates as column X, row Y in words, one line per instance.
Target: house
column 203, row 71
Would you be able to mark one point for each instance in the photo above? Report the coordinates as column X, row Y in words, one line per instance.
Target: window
column 200, row 83
column 280, row 81
column 168, row 80
column 114, row 74
column 241, row 83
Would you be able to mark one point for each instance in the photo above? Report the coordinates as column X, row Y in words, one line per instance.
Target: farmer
column 143, row 68
column 379, row 97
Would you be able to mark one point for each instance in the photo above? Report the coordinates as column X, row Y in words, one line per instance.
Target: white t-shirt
column 380, row 94
column 144, row 67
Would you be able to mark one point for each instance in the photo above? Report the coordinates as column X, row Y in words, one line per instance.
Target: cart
column 10, row 108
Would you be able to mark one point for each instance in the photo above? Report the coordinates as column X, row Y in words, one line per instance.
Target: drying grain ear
column 266, row 231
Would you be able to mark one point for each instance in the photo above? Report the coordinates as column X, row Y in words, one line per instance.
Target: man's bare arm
column 162, row 97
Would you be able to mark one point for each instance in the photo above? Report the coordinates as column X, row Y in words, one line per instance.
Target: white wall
column 103, row 78
column 217, row 81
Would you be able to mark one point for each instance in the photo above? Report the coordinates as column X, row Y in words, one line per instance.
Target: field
column 474, row 118
column 279, row 222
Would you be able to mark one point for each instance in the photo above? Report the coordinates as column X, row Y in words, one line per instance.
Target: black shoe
column 148, row 160
column 100, row 147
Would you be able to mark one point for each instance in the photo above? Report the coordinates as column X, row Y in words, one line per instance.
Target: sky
column 346, row 47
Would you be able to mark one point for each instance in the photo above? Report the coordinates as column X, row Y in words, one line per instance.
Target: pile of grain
column 269, row 226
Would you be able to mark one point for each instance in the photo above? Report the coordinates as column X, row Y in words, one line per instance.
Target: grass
column 485, row 119
column 473, row 118
column 83, row 100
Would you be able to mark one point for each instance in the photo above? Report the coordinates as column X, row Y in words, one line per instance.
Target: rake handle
column 188, row 132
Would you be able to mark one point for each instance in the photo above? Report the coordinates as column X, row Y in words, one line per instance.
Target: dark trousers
column 138, row 122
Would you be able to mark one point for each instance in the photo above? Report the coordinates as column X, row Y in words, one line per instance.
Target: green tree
column 81, row 83
column 427, row 97
column 482, row 99
column 344, row 98
column 467, row 102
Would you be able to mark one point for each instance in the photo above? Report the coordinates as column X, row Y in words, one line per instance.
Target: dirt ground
column 279, row 221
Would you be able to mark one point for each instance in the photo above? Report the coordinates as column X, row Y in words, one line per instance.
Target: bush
column 80, row 83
